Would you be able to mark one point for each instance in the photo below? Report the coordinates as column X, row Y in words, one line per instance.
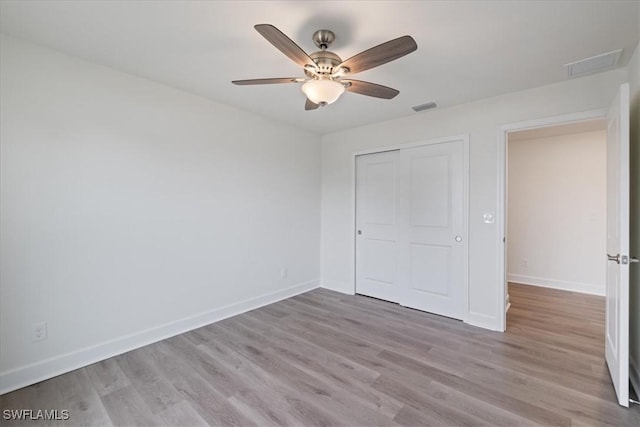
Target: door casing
column 501, row 216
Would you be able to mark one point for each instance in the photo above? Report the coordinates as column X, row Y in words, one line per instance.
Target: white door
column 431, row 238
column 376, row 225
column 617, row 299
column 410, row 222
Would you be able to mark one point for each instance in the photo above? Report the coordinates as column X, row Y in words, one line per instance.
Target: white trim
column 465, row 142
column 501, row 229
column 545, row 282
column 634, row 373
column 413, row 144
column 465, row 227
column 501, row 187
column 354, row 226
column 57, row 365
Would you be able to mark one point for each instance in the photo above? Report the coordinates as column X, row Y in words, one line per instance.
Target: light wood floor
column 324, row 358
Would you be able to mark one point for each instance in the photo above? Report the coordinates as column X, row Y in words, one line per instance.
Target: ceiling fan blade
column 370, row 89
column 381, row 54
column 310, row 105
column 284, row 44
column 265, row 81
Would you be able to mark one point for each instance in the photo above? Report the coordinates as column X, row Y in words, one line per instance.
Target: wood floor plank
column 432, row 410
column 266, row 393
column 453, row 399
column 492, row 396
column 595, row 410
column 343, row 404
column 411, row 417
column 127, row 408
column 331, row 369
column 72, row 392
column 250, row 402
column 311, row 356
column 107, row 376
column 211, row 404
column 182, row 414
column 367, row 329
column 148, row 380
column 208, row 368
column 77, row 394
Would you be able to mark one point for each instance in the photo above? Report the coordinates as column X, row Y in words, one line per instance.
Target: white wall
column 634, row 270
column 557, row 212
column 481, row 120
column 132, row 211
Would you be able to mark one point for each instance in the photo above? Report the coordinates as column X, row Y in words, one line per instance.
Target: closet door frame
column 465, row 143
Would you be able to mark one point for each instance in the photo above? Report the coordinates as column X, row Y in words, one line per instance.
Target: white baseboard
column 343, row 288
column 483, row 321
column 49, row 368
column 584, row 288
column 634, row 374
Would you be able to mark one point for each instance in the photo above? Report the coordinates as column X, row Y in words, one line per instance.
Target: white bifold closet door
column 410, row 239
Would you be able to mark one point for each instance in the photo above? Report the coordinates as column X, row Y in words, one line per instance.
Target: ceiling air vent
column 595, row 64
column 422, row 107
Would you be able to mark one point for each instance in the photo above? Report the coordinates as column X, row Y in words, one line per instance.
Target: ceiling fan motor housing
column 325, row 62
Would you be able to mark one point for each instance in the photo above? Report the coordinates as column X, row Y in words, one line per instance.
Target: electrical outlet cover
column 38, row 331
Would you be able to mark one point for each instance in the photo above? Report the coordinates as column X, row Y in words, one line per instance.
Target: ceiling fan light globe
column 323, row 92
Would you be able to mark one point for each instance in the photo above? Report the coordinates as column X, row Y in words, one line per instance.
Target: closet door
column 431, row 240
column 376, row 225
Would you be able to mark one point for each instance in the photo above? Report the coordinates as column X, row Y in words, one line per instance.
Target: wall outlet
column 524, row 263
column 283, row 273
column 39, row 331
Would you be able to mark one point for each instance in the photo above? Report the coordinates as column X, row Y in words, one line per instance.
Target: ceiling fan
column 327, row 74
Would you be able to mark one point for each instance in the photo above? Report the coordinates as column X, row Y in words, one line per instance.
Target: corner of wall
column 332, row 285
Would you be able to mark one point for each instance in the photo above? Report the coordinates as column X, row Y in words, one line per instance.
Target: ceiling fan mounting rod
column 323, row 38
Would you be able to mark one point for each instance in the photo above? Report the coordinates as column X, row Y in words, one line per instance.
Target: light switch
column 488, row 218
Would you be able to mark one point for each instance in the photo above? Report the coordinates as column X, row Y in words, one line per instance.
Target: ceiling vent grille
column 595, row 64
column 422, row 107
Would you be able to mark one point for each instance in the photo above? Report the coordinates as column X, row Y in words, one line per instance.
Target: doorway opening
column 555, row 224
column 616, row 300
column 556, row 206
column 504, row 133
column 556, row 219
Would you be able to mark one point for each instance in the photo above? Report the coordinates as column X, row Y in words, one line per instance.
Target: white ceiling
column 466, row 50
